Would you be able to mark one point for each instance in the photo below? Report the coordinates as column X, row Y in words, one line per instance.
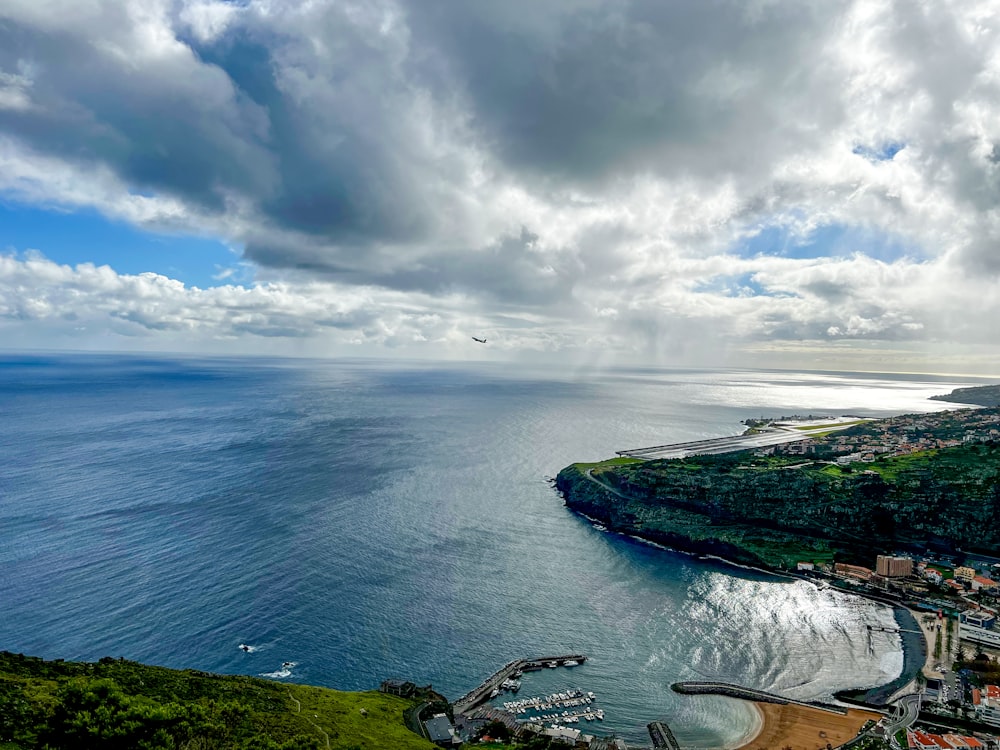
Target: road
column 909, row 708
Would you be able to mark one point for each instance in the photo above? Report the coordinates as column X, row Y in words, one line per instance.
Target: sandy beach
column 753, row 731
column 804, row 728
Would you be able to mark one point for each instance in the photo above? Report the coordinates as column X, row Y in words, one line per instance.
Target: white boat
column 571, row 663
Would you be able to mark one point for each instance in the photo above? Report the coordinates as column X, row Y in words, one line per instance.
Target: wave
column 282, row 673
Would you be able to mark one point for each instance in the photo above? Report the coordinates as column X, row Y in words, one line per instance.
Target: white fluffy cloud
column 644, row 180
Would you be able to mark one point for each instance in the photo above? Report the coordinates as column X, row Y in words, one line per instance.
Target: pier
column 485, row 690
column 662, row 737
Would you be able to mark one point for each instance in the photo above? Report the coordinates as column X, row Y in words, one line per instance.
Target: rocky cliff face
column 680, row 529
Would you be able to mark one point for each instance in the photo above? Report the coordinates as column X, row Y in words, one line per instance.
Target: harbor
column 576, row 705
column 560, row 714
column 492, row 686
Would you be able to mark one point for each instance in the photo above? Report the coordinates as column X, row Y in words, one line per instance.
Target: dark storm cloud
column 581, row 164
column 317, row 118
column 339, row 137
column 582, row 90
column 173, row 126
column 507, row 271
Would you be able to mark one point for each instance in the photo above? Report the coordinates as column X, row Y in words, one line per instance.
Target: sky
column 737, row 183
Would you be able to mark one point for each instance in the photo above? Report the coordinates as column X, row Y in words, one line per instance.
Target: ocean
column 352, row 521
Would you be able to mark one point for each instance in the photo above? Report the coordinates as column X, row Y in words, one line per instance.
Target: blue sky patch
column 827, row 241
column 740, row 285
column 882, row 152
column 88, row 237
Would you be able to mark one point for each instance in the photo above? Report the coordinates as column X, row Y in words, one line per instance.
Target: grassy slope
column 31, row 690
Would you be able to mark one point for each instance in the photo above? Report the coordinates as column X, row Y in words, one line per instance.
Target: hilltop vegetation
column 982, row 395
column 779, row 510
column 122, row 704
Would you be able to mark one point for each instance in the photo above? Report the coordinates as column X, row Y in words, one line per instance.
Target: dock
column 662, row 737
column 483, row 692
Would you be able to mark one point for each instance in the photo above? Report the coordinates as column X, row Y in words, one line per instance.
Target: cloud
column 571, row 173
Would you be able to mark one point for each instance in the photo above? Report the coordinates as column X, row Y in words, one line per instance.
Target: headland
column 915, row 482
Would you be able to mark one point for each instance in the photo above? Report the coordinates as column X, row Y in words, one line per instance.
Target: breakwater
column 748, row 694
column 661, row 736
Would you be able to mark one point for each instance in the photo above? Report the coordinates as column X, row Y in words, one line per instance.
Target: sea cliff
column 777, row 510
column 683, row 528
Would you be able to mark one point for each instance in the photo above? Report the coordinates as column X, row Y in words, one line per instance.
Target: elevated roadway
column 733, row 443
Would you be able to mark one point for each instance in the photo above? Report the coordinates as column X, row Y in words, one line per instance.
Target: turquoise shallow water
column 366, row 520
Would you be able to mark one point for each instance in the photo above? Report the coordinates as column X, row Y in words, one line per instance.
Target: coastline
column 799, row 726
column 753, row 732
column 916, row 647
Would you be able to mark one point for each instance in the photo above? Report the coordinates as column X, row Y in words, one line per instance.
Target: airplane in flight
column 481, row 341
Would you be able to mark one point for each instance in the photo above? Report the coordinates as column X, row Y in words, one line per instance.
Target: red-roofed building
column 981, row 583
column 853, row 571
column 957, row 741
column 919, row 740
column 987, row 704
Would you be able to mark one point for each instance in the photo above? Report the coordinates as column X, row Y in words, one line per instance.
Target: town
column 947, row 603
column 864, row 441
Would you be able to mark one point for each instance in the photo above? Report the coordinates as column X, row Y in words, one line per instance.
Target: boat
column 571, row 663
column 553, row 665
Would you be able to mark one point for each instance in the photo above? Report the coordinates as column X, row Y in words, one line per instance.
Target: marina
column 493, row 685
column 576, row 705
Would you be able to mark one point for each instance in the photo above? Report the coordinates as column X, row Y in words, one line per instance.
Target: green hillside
column 122, row 704
column 776, row 511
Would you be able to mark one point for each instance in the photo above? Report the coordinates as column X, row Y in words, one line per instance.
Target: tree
column 99, row 716
column 496, row 729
